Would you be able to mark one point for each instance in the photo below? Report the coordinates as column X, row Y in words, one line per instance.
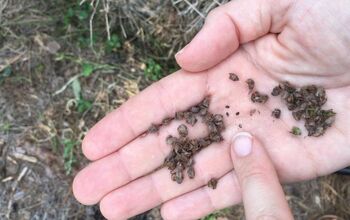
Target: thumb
column 228, row 26
column 263, row 197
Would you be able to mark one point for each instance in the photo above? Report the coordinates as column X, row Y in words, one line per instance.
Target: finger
column 263, row 197
column 131, row 119
column 158, row 187
column 204, row 200
column 228, row 26
column 137, row 158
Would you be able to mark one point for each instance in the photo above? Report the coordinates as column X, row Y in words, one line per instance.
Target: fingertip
column 79, row 190
column 89, row 147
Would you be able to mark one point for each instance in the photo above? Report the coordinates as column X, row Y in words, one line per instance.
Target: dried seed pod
column 191, row 120
column 233, row 77
column 190, row 172
column 218, row 118
column 276, row 113
column 170, row 140
column 297, row 115
column 190, row 162
column 182, row 129
column 203, row 112
column 256, row 97
column 213, row 183
column 251, row 84
column 205, row 102
column 179, row 115
column 195, row 109
column 276, row 91
column 216, row 137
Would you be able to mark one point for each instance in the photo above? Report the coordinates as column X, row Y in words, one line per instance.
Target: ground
column 62, row 69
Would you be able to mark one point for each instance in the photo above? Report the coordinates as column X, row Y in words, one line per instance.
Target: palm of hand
column 121, row 174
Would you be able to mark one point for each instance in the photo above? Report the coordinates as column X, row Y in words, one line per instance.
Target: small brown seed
column 256, row 97
column 233, row 77
column 276, row 91
column 195, row 109
column 213, row 183
column 190, row 172
column 276, row 113
column 179, row 115
column 251, row 84
column 183, row 131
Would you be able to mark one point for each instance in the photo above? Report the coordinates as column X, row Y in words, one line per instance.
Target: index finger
column 262, row 194
column 162, row 99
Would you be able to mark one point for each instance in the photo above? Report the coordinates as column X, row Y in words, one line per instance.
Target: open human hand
column 303, row 42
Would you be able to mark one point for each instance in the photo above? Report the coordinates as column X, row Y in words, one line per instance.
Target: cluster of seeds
column 180, row 159
column 306, row 104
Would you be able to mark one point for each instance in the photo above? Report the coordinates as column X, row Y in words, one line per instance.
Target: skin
column 303, row 42
column 262, row 194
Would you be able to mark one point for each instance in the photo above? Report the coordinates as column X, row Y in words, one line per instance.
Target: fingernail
column 242, row 144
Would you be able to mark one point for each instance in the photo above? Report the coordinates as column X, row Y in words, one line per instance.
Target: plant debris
column 276, row 113
column 257, row 97
column 306, row 104
column 251, row 84
column 233, row 77
column 180, row 159
column 296, row 131
column 213, row 182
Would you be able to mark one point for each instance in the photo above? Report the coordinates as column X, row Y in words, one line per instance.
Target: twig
column 106, row 11
column 14, row 187
column 64, row 87
column 94, row 6
column 24, row 157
